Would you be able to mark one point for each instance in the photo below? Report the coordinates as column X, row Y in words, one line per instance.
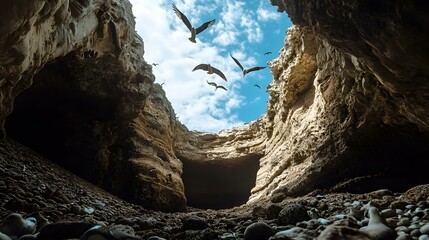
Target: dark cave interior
column 219, row 184
column 59, row 121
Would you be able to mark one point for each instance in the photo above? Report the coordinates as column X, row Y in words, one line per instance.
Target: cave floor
column 33, row 186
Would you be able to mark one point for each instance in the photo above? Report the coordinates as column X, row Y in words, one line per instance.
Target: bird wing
column 255, row 69
column 201, row 66
column 204, row 26
column 267, row 53
column 237, row 62
column 219, row 73
column 256, row 85
column 183, row 17
column 211, row 83
column 219, row 86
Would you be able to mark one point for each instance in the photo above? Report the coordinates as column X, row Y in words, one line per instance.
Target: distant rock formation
column 347, row 108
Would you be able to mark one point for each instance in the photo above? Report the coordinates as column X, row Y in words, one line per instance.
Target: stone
column 292, row 233
column 258, row 231
column 425, row 229
column 379, row 194
column 194, row 222
column 404, row 237
column 333, row 232
column 292, row 213
column 424, row 237
column 387, row 213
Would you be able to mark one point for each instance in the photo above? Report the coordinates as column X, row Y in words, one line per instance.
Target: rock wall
column 74, row 87
column 348, row 99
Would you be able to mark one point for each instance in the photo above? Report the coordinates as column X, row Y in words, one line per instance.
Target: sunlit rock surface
column 347, row 108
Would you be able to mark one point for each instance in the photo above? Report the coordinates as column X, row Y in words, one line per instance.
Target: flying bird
column 267, row 53
column 216, row 86
column 256, row 85
column 245, row 71
column 210, row 70
column 155, row 64
column 193, row 31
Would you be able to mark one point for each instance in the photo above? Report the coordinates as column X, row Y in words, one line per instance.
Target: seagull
column 267, row 53
column 256, row 85
column 210, row 70
column 215, row 85
column 246, row 71
column 194, row 31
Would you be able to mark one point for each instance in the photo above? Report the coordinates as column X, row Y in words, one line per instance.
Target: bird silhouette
column 267, row 53
column 155, row 64
column 216, row 86
column 210, row 70
column 245, row 71
column 193, row 31
column 256, row 85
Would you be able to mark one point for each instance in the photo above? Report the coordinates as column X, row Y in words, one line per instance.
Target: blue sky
column 247, row 29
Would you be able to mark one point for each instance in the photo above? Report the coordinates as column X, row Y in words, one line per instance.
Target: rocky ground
column 64, row 207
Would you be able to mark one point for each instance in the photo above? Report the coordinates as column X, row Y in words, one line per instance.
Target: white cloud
column 235, row 21
column 165, row 37
column 266, row 15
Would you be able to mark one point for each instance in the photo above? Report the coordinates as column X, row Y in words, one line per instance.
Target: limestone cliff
column 348, row 104
column 91, row 104
column 348, row 98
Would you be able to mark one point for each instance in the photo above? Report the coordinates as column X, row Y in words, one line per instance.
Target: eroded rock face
column 348, row 98
column 89, row 95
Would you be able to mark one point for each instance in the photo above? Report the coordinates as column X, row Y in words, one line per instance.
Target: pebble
column 292, row 213
column 424, row 237
column 404, row 222
column 258, row 231
column 425, row 229
column 387, row 213
column 194, row 222
column 380, row 193
column 341, row 219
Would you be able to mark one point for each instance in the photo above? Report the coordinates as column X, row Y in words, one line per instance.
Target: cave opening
column 219, row 184
column 58, row 120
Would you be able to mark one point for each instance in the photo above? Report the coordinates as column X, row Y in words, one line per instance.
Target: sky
column 247, row 29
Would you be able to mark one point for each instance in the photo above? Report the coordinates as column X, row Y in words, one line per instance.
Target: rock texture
column 347, row 100
column 90, row 102
column 347, row 107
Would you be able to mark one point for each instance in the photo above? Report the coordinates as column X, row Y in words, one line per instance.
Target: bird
column 155, row 64
column 377, row 227
column 210, row 70
column 193, row 31
column 256, row 85
column 215, row 85
column 245, row 71
column 267, row 53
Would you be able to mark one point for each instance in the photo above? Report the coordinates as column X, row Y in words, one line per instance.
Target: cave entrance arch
column 219, row 184
column 58, row 120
